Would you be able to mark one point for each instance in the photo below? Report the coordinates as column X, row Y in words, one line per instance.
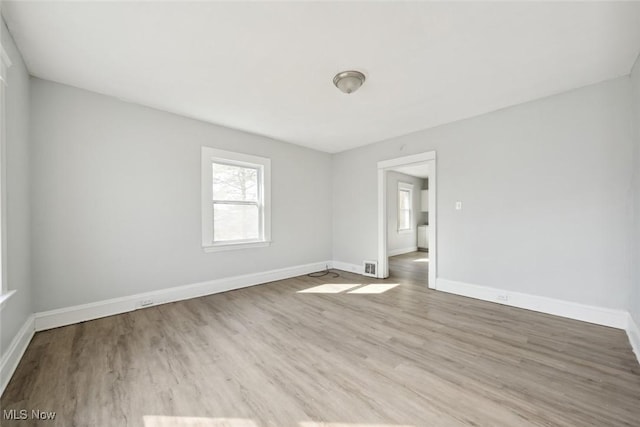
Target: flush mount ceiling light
column 349, row 81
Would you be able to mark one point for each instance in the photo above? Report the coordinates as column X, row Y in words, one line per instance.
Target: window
column 235, row 200
column 405, row 207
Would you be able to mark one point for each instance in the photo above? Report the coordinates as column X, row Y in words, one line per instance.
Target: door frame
column 428, row 158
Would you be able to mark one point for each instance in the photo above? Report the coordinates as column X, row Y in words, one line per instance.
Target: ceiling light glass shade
column 349, row 81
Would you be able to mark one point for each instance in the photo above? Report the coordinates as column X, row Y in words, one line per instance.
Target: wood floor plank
column 271, row 355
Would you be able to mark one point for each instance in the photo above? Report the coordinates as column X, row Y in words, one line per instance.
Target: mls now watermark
column 24, row 414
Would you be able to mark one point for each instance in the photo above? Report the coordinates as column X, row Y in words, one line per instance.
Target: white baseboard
column 95, row 310
column 11, row 358
column 572, row 310
column 345, row 266
column 633, row 331
column 402, row 251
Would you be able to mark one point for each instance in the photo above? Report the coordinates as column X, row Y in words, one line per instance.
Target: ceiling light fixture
column 349, row 81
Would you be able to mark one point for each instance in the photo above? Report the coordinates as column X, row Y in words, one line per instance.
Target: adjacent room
column 407, row 215
column 319, row 214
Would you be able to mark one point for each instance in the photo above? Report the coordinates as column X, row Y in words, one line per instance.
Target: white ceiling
column 267, row 68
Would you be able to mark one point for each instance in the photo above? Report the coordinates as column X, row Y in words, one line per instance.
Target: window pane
column 235, row 222
column 405, row 201
column 404, row 220
column 235, row 183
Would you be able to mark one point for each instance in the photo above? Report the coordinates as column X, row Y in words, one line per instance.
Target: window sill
column 5, row 297
column 235, row 246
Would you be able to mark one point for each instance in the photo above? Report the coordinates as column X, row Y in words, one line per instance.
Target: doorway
column 407, row 218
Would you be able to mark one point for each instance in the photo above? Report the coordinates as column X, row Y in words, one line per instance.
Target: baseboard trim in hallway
column 95, row 310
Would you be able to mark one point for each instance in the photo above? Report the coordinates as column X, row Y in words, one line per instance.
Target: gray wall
column 396, row 240
column 18, row 308
column 116, row 199
column 545, row 189
column 634, row 304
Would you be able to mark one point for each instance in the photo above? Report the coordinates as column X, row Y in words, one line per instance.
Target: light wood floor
column 413, row 266
column 271, row 355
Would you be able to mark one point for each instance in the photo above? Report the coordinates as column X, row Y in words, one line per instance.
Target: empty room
column 319, row 214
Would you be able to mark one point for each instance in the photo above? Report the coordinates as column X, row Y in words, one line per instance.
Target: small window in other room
column 235, row 200
column 405, row 207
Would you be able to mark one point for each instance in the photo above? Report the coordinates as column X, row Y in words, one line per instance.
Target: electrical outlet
column 458, row 206
column 503, row 297
column 146, row 302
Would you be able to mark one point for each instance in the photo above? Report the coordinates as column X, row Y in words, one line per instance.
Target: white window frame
column 263, row 165
column 405, row 186
column 5, row 293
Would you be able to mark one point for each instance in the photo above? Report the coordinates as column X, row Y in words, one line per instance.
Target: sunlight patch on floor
column 329, row 288
column 361, row 288
column 421, row 260
column 377, row 288
column 166, row 421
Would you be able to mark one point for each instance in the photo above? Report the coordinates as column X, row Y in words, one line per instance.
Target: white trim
column 345, row 266
column 263, row 164
column 383, row 257
column 402, row 251
column 407, row 160
column 96, row 310
column 432, row 230
column 572, row 310
column 11, row 358
column 234, row 246
column 384, row 166
column 633, row 331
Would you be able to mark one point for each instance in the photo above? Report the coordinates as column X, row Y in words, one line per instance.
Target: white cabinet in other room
column 424, row 201
column 423, row 237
